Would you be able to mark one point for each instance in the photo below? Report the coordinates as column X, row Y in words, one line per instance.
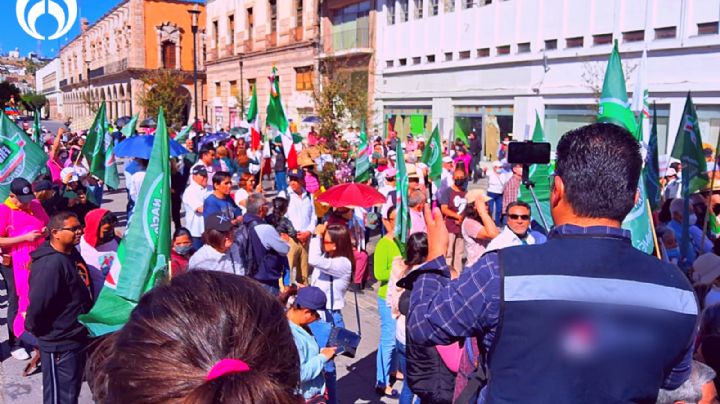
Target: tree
column 7, row 90
column 342, row 99
column 594, row 75
column 34, row 101
column 163, row 89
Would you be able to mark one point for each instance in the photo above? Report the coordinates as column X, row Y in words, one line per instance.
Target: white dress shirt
column 301, row 210
column 193, row 199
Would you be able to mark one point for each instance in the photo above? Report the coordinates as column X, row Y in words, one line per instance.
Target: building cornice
column 268, row 51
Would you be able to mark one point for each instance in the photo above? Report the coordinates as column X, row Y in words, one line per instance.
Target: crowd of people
column 479, row 299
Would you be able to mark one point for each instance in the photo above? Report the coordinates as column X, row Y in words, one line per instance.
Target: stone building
column 244, row 40
column 47, row 82
column 109, row 58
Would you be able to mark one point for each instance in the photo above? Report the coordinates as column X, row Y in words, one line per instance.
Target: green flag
column 402, row 219
column 432, row 157
column 461, row 129
column 417, row 124
column 143, row 255
column 278, row 122
column 539, row 175
column 652, row 167
column 362, row 161
column 183, row 135
column 129, row 129
column 614, row 106
column 98, row 150
column 19, row 156
column 37, row 129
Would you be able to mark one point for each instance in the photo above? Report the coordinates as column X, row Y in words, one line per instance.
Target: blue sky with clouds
column 12, row 35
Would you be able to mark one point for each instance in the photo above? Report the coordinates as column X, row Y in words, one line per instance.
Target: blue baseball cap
column 312, row 298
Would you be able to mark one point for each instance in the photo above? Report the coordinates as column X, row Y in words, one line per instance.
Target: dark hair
column 244, row 178
column 665, row 216
column 232, row 317
column 205, row 148
column 389, row 212
column 108, row 218
column 280, row 206
column 340, row 235
column 518, row 203
column 716, row 246
column 220, row 176
column 600, row 166
column 416, row 249
column 181, row 231
column 57, row 222
column 214, row 238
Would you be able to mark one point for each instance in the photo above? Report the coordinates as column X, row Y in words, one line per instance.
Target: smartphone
column 529, row 153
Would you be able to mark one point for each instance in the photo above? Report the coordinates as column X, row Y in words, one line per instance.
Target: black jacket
column 59, row 292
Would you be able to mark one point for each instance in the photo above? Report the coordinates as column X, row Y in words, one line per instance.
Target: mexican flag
column 129, row 129
column 278, row 122
column 614, row 107
column 37, row 129
column 98, row 150
column 362, row 161
column 539, row 174
column 253, row 119
column 144, row 254
column 19, row 155
column 402, row 218
column 689, row 150
column 432, row 157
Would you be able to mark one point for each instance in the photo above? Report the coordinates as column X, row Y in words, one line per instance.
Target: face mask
column 183, row 249
column 460, row 183
column 673, row 252
column 692, row 219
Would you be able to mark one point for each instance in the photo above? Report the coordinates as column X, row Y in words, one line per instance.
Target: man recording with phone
column 585, row 317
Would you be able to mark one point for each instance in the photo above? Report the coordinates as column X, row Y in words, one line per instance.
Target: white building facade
column 490, row 65
column 47, row 82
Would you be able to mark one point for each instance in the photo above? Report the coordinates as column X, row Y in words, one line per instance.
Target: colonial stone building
column 107, row 61
column 245, row 38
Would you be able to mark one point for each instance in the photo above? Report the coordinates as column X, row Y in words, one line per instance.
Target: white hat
column 391, row 155
column 447, row 159
column 670, row 172
column 497, row 164
column 706, row 268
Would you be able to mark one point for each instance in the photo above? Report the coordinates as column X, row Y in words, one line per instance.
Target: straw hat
column 476, row 194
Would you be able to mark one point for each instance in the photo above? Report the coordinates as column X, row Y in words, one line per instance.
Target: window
column 234, row 90
column 299, row 13
column 403, row 10
column 391, row 12
column 665, row 33
column 251, row 85
column 416, row 60
column 351, row 26
column 433, row 9
column 467, row 3
column 430, row 58
column 449, row 6
column 576, row 42
column 250, row 24
column 483, row 52
column 708, row 28
column 485, row 2
column 402, row 62
column 524, row 47
column 550, row 44
column 389, row 63
column 231, row 29
column 218, row 89
column 503, row 50
column 273, row 15
column 448, row 56
column 633, row 36
column 168, row 55
column 418, row 12
column 602, row 39
column 464, row 55
column 304, row 78
column 216, row 33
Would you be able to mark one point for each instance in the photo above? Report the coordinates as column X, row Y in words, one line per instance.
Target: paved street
column 355, row 376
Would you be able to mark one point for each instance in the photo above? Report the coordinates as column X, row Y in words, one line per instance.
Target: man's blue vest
column 587, row 319
column 270, row 265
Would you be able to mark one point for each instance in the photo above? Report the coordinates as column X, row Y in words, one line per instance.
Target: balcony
column 351, row 41
column 63, row 83
column 99, row 72
column 116, row 67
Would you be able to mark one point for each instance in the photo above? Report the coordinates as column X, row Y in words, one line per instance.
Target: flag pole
column 709, row 197
column 652, row 229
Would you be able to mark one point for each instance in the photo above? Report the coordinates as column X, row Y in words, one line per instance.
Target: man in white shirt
column 446, row 176
column 517, row 232
column 206, row 159
column 193, row 199
column 301, row 212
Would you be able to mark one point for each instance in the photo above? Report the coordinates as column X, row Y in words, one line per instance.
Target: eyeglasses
column 390, row 179
column 516, row 217
column 75, row 229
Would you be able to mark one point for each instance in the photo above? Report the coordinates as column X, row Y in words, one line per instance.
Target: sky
column 12, row 35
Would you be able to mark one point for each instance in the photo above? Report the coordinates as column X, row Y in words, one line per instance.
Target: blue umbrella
column 214, row 137
column 141, row 147
column 311, row 119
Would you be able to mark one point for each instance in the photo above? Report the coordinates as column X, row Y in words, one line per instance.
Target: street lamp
column 194, row 16
column 242, row 91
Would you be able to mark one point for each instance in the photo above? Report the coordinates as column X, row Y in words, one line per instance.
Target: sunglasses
column 516, row 217
column 75, row 229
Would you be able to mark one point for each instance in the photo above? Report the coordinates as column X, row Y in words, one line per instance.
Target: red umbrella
column 352, row 195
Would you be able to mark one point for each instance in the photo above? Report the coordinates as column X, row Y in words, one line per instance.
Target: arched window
column 169, row 55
